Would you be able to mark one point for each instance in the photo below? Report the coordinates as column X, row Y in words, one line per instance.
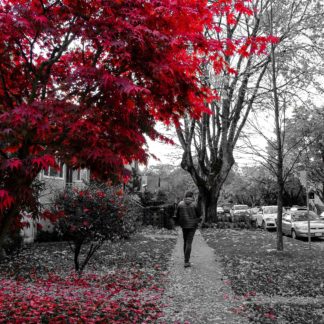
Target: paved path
column 198, row 294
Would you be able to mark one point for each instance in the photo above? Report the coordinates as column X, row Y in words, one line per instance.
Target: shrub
column 133, row 217
column 146, row 197
column 92, row 216
column 161, row 196
column 13, row 244
column 46, row 236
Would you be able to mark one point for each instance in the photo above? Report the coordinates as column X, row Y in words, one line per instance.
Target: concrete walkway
column 198, row 294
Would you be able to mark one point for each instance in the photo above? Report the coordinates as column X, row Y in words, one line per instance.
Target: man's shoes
column 187, row 265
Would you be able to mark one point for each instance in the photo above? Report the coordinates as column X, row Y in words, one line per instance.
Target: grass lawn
column 275, row 287
column 122, row 284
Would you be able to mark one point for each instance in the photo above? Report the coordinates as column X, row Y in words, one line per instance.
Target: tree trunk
column 5, row 227
column 280, row 246
column 77, row 250
column 207, row 201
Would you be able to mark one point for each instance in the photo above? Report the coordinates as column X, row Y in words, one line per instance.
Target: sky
column 171, row 154
column 167, row 153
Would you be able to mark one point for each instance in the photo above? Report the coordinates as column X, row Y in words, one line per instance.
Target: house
column 54, row 180
column 57, row 180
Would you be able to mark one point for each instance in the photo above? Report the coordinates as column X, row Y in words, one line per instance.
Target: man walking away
column 188, row 217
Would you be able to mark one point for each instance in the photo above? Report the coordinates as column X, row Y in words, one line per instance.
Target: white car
column 238, row 210
column 295, row 224
column 267, row 217
column 220, row 210
column 295, row 208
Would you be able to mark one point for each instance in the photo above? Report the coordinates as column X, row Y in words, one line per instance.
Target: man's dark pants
column 188, row 235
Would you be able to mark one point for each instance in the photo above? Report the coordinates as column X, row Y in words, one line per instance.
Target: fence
column 159, row 216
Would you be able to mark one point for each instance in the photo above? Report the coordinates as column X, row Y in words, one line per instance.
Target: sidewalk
column 198, row 294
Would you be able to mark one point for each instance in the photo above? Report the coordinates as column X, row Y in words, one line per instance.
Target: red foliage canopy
column 84, row 81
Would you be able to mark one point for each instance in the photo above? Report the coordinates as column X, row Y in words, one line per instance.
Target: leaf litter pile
column 275, row 287
column 123, row 283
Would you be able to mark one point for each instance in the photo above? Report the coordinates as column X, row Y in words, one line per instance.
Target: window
column 53, row 172
column 303, row 216
column 241, row 207
column 80, row 174
column 270, row 210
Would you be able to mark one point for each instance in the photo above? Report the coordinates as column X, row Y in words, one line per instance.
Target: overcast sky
column 171, row 154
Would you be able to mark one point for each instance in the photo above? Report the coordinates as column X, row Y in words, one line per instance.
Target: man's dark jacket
column 187, row 213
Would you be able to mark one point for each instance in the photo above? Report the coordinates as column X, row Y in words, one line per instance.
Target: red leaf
column 6, row 200
column 12, row 164
column 43, row 162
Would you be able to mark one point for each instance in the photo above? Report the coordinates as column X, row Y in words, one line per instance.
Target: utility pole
column 307, row 202
column 306, row 187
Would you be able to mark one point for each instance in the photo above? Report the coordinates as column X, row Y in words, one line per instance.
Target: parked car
column 219, row 210
column 255, row 210
column 239, row 210
column 295, row 224
column 294, row 208
column 267, row 217
column 227, row 208
column 223, row 214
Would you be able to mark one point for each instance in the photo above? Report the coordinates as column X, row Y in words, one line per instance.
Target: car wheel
column 264, row 225
column 293, row 234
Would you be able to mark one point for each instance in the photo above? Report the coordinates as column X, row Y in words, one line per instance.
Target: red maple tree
column 83, row 82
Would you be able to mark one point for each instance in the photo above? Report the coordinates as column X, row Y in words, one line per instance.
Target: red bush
column 90, row 216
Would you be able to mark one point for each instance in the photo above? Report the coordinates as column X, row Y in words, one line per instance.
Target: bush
column 46, row 236
column 161, row 196
column 91, row 216
column 13, row 244
column 146, row 197
column 133, row 217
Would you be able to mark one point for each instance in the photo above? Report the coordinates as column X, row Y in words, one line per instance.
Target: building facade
column 54, row 181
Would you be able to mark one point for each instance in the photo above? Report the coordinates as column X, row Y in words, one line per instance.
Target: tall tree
column 84, row 81
column 289, row 84
column 208, row 143
column 279, row 144
column 301, row 9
